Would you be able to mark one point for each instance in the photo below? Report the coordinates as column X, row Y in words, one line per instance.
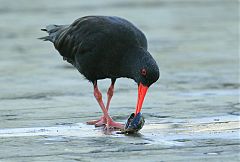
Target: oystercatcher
column 101, row 47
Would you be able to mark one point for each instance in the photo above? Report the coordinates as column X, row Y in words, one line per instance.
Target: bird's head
column 146, row 73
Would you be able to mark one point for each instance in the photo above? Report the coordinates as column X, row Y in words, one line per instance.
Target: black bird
column 106, row 47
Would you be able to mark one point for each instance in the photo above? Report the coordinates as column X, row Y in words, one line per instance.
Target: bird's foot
column 98, row 123
column 113, row 125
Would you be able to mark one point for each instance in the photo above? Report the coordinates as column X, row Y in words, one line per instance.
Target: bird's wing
column 74, row 39
column 95, row 33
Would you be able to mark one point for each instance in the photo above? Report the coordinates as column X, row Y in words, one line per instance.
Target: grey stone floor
column 192, row 112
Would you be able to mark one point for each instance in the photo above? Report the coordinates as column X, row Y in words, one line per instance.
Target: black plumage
column 106, row 47
column 103, row 47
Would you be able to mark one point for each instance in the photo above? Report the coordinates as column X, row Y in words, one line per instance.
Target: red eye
column 144, row 72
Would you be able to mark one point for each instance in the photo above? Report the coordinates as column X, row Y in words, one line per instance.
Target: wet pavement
column 191, row 113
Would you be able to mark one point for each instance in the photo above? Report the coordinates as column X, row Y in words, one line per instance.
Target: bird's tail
column 52, row 30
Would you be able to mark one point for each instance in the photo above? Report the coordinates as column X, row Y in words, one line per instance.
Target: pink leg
column 102, row 120
column 110, row 94
column 109, row 122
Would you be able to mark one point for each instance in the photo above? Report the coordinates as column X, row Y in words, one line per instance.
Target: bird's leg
column 106, row 118
column 110, row 93
column 98, row 96
column 102, row 120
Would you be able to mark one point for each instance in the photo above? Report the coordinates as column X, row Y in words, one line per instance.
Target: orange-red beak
column 142, row 90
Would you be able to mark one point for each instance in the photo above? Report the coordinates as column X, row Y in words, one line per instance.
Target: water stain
column 32, row 96
column 9, row 119
column 224, row 86
column 9, row 115
column 213, row 153
column 237, row 113
column 64, row 124
column 158, row 116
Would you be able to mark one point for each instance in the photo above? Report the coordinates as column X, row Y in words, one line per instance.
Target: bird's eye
column 144, row 72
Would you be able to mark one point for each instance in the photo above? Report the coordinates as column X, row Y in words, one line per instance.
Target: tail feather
column 46, row 38
column 44, row 29
column 52, row 30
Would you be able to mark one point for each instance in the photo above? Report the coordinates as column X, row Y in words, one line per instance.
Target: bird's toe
column 98, row 122
column 114, row 125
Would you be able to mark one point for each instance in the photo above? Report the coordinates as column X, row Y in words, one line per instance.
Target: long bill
column 142, row 90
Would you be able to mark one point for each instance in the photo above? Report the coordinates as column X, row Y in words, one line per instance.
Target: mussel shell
column 134, row 123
